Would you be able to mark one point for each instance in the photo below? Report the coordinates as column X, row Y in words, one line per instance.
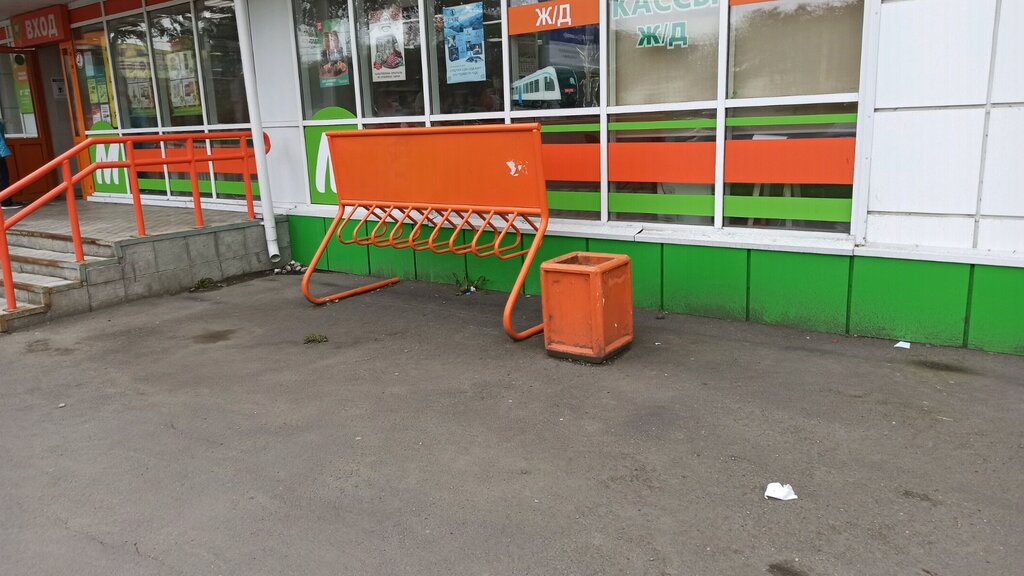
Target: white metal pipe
column 256, row 120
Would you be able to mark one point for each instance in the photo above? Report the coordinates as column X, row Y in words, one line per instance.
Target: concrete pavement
column 201, row 436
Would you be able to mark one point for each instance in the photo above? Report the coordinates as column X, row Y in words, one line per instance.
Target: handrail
column 68, row 181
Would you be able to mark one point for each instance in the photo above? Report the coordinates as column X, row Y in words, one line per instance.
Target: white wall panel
column 1008, row 84
column 926, row 161
column 935, row 52
column 1001, row 235
column 276, row 76
column 287, row 164
column 929, row 231
column 1003, row 191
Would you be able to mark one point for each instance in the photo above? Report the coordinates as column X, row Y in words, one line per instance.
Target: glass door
column 23, row 112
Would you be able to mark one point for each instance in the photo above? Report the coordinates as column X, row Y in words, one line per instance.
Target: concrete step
column 50, row 263
column 58, row 243
column 38, row 289
column 23, row 315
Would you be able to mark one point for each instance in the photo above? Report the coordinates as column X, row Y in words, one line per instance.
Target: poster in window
column 387, row 45
column 331, row 37
column 133, row 65
column 181, row 71
column 464, row 43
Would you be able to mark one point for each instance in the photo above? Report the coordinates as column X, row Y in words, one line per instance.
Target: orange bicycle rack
column 402, row 186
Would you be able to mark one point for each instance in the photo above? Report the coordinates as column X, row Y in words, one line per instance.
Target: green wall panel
column 909, row 300
column 997, row 310
column 552, row 247
column 706, row 281
column 306, row 234
column 646, row 268
column 443, row 268
column 800, row 290
column 499, row 274
column 350, row 258
column 391, row 262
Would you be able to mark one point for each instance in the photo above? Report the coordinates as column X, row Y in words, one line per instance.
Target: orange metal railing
column 400, row 188
column 132, row 164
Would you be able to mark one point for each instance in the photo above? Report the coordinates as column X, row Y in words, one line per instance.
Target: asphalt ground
column 200, row 435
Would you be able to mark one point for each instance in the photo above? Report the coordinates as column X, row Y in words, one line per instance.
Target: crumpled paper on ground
column 779, row 492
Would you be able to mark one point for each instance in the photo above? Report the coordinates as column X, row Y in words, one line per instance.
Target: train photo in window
column 550, row 87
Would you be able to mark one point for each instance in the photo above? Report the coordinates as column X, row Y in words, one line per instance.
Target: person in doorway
column 5, row 175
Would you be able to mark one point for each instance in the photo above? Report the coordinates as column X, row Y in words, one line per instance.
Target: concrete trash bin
column 587, row 299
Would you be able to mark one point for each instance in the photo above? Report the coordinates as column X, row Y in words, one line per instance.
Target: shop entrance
column 23, row 108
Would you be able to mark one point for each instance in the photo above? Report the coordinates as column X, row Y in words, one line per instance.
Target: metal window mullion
column 865, row 121
column 156, row 100
column 202, row 93
column 603, row 103
column 723, row 70
column 300, row 109
column 424, row 62
column 109, row 58
column 357, row 79
column 506, row 63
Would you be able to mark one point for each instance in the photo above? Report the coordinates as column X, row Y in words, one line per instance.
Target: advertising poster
column 184, row 87
column 332, row 41
column 387, row 45
column 133, row 63
column 464, row 43
column 22, row 89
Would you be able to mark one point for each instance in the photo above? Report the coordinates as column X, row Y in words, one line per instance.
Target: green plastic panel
column 800, row 290
column 306, row 234
column 584, row 201
column 997, row 310
column 350, row 258
column 498, row 274
column 391, row 262
column 706, row 281
column 800, row 119
column 553, row 128
column 909, row 300
column 662, row 124
column 646, row 268
column 783, row 208
column 675, row 204
column 552, row 247
column 443, row 268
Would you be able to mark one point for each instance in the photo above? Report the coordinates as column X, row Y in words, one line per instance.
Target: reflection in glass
column 130, row 55
column 94, row 79
column 175, row 58
column 223, row 81
column 322, row 34
column 795, row 47
column 389, row 57
column 556, row 69
column 16, row 107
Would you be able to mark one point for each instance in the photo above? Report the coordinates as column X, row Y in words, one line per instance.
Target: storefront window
column 663, row 52
column 322, row 34
column 572, row 165
column 795, row 47
column 661, row 167
column 95, row 83
column 465, row 56
column 130, row 55
column 790, row 167
column 16, row 108
column 221, row 60
column 389, row 57
column 174, row 54
column 553, row 66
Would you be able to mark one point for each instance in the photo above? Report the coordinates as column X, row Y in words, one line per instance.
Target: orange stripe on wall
column 529, row 18
column 84, row 13
column 572, row 162
column 801, row 161
column 680, row 162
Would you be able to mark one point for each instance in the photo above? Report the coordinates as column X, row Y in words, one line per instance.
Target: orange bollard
column 588, row 305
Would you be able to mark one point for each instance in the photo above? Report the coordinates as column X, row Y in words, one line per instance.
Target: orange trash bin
column 587, row 300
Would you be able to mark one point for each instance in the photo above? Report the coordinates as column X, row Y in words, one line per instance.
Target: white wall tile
column 276, row 76
column 286, row 163
column 935, row 52
column 926, row 161
column 1003, row 191
column 928, row 231
column 1001, row 235
column 1008, row 84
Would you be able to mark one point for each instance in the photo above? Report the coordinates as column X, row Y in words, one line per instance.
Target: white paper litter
column 902, row 344
column 779, row 492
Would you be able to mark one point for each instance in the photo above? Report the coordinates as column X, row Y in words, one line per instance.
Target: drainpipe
column 260, row 150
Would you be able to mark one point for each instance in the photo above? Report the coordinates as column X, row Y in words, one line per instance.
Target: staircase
column 47, row 280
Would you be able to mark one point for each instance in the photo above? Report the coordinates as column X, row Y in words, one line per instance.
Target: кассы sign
column 45, row 26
